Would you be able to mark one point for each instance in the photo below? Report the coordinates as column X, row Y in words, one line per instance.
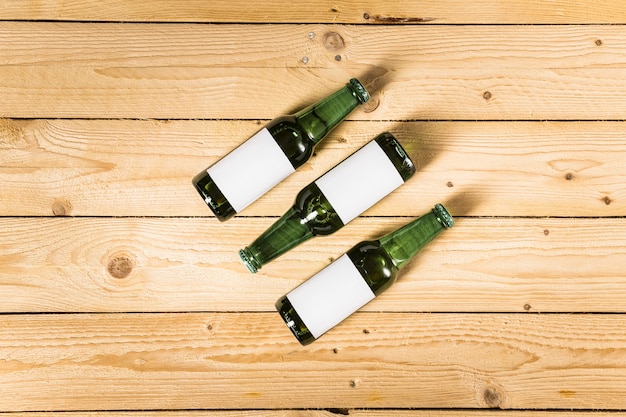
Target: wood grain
column 121, row 296
column 245, row 360
column 144, row 168
column 332, row 412
column 146, row 46
column 258, row 71
column 488, row 265
column 299, row 11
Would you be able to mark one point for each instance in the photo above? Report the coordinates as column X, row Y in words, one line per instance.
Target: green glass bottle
column 334, row 199
column 354, row 279
column 273, row 153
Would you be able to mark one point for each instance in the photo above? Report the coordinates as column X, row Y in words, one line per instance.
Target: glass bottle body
column 327, row 298
column 334, row 199
column 273, row 153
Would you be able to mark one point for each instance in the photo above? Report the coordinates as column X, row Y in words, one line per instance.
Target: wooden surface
column 121, row 295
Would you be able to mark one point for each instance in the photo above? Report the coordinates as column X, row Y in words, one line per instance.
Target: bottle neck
column 403, row 244
column 288, row 232
column 320, row 118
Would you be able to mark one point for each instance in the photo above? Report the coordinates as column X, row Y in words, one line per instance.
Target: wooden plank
column 245, row 360
column 258, row 71
column 144, row 46
column 229, row 93
column 478, row 413
column 144, row 168
column 361, row 11
column 188, row 264
column 336, row 412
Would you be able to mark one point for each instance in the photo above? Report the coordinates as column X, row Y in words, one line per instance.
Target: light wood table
column 120, row 292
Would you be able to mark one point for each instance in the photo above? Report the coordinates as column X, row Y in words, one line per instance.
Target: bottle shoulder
column 292, row 138
column 316, row 212
column 374, row 264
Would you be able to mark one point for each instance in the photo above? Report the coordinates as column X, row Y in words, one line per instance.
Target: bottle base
column 293, row 321
column 213, row 197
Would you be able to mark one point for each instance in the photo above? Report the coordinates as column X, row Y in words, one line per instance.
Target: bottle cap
column 361, row 93
column 443, row 216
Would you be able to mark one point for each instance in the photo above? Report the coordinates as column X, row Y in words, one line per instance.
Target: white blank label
column 329, row 296
column 251, row 170
column 360, row 181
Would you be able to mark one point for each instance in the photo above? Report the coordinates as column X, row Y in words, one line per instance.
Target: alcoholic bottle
column 355, row 278
column 328, row 203
column 273, row 153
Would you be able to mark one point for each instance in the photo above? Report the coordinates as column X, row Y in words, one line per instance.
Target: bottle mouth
column 248, row 261
column 360, row 91
column 443, row 216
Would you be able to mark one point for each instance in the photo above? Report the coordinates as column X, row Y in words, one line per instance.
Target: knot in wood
column 493, row 397
column 61, row 207
column 120, row 266
column 333, row 41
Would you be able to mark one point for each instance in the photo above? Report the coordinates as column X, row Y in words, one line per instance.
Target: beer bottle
column 273, row 153
column 354, row 279
column 328, row 203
